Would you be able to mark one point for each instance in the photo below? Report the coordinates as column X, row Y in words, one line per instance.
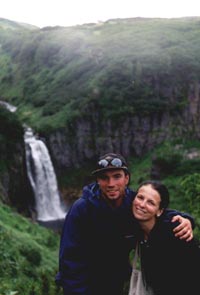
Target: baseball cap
column 110, row 161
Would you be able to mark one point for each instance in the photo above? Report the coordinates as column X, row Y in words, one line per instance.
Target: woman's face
column 146, row 205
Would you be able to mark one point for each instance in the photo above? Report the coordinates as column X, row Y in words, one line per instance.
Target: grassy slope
column 28, row 256
column 55, row 74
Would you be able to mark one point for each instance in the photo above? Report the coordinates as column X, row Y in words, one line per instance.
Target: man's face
column 112, row 184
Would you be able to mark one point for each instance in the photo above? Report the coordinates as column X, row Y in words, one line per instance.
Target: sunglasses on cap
column 110, row 161
column 116, row 162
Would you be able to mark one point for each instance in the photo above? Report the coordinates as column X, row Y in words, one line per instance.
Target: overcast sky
column 72, row 12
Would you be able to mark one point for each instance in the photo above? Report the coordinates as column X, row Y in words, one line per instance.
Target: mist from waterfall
column 42, row 179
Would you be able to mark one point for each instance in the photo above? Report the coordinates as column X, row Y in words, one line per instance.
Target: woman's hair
column 161, row 189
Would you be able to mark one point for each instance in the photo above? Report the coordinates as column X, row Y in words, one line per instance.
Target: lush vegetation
column 28, row 256
column 57, row 74
column 11, row 134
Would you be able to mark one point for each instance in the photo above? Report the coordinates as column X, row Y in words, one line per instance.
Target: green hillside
column 55, row 75
column 28, row 256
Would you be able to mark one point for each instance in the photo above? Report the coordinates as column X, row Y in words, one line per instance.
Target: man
column 99, row 232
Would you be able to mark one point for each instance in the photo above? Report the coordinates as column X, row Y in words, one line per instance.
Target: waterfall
column 42, row 179
column 8, row 106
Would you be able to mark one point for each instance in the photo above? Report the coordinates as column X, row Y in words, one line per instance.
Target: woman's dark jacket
column 95, row 245
column 171, row 265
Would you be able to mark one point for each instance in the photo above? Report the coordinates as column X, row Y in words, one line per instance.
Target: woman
column 169, row 265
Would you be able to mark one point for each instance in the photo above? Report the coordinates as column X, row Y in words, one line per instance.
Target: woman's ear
column 159, row 212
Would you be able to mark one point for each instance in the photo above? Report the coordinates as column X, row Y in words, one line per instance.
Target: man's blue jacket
column 95, row 244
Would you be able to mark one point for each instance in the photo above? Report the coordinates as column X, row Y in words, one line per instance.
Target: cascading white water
column 42, row 178
column 8, row 106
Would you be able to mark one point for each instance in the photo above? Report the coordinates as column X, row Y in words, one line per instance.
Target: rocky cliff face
column 14, row 187
column 131, row 136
